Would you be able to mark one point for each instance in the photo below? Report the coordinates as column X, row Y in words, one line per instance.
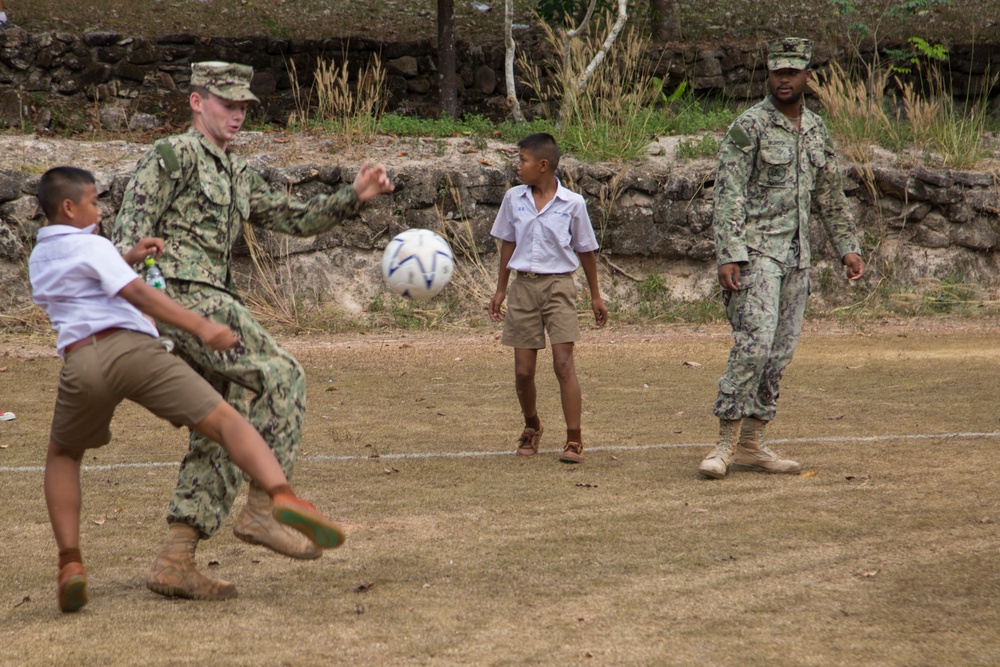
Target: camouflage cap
column 230, row 81
column 789, row 53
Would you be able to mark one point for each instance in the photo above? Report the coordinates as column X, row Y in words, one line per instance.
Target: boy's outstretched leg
column 525, row 361
column 63, row 499
column 252, row 455
column 572, row 401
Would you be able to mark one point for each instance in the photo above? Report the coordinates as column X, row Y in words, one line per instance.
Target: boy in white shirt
column 546, row 234
column 111, row 352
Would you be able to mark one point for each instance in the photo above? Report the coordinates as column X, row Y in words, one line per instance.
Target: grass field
column 886, row 551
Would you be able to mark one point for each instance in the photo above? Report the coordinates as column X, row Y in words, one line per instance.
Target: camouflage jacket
column 196, row 197
column 769, row 176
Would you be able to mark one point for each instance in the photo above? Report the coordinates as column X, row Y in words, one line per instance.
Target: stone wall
column 650, row 219
column 141, row 82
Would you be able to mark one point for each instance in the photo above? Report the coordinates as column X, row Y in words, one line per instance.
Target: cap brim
column 233, row 95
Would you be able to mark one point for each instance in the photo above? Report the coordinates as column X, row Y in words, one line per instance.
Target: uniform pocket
column 775, row 165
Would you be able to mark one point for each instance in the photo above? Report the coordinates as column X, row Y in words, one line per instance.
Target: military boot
column 716, row 463
column 256, row 525
column 753, row 454
column 174, row 574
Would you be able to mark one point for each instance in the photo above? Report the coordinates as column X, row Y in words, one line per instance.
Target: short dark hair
column 59, row 184
column 543, row 145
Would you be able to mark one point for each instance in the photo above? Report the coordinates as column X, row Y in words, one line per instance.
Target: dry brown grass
column 888, row 555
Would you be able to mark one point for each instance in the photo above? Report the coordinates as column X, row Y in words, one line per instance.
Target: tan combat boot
column 716, row 463
column 173, row 572
column 753, row 454
column 256, row 525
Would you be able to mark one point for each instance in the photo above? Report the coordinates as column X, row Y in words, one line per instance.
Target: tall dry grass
column 614, row 115
column 352, row 110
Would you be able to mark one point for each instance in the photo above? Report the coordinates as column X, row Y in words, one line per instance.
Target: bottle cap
column 150, row 261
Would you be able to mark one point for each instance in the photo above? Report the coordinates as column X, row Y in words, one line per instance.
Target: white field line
column 508, row 452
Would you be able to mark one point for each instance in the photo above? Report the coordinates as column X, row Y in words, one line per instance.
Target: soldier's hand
column 371, row 182
column 855, row 265
column 729, row 276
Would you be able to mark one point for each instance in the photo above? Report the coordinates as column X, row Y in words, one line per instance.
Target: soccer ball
column 417, row 264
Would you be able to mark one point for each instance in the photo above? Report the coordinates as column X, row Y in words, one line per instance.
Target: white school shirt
column 76, row 276
column 546, row 241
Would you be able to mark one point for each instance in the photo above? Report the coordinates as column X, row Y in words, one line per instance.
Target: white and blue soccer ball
column 418, row 264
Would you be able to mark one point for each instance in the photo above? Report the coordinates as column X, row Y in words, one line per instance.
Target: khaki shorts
column 128, row 364
column 539, row 304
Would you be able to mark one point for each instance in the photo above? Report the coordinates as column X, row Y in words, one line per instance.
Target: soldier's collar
column 808, row 120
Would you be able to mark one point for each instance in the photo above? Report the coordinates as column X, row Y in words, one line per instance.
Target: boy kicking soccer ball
column 111, row 352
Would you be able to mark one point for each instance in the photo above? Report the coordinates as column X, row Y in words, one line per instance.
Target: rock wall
column 140, row 82
column 650, row 218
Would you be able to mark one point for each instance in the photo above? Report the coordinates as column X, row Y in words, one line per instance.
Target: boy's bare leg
column 525, row 361
column 63, row 499
column 569, row 384
column 244, row 445
column 62, row 494
column 572, row 400
column 524, row 381
column 251, row 454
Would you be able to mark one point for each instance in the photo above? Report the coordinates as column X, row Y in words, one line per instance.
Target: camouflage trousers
column 208, row 481
column 766, row 316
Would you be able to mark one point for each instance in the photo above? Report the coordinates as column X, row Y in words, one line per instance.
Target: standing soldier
column 775, row 162
column 194, row 193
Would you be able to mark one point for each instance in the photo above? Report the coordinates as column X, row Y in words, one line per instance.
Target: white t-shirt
column 546, row 241
column 76, row 276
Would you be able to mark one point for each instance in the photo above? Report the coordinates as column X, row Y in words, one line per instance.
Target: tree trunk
column 446, row 58
column 665, row 26
column 508, row 34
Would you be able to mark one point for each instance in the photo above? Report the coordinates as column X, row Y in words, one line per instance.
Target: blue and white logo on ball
column 417, row 264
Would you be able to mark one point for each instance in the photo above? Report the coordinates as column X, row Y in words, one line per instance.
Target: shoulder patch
column 169, row 158
column 740, row 137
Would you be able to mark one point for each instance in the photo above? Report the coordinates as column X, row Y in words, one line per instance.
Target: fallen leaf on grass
column 692, row 364
column 615, row 458
column 213, row 563
column 360, row 588
column 3, row 369
column 486, row 163
column 986, row 519
column 871, row 574
column 811, row 473
column 401, row 154
column 587, row 486
column 331, row 389
column 389, row 471
column 100, row 522
column 4, row 446
column 854, row 368
column 836, row 417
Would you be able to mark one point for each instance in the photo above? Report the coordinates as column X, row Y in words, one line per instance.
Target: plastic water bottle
column 154, row 277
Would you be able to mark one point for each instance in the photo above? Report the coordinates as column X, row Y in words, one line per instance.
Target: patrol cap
column 789, row 53
column 230, row 81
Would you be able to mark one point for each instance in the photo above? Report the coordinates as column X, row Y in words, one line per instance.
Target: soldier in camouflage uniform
column 775, row 162
column 195, row 194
